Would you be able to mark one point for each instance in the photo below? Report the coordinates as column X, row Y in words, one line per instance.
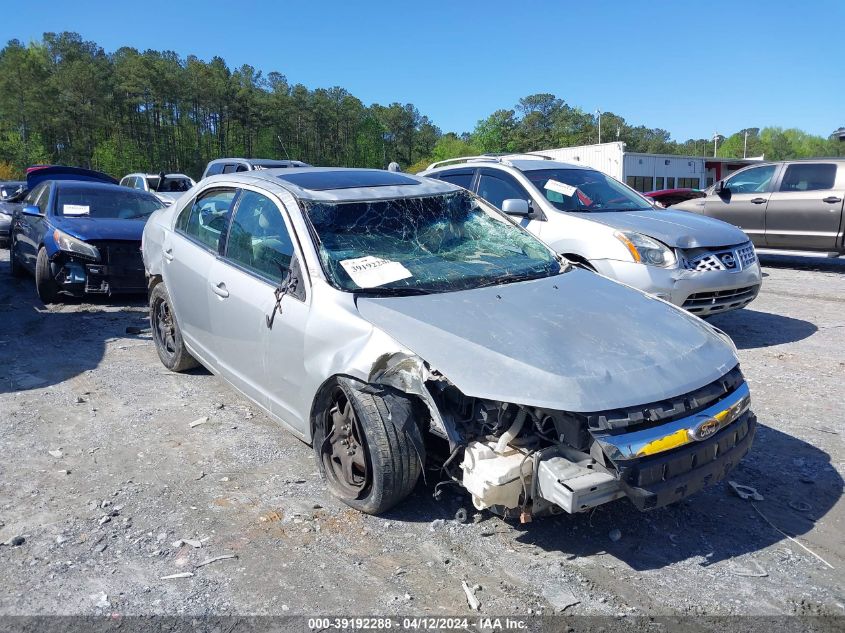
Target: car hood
column 673, row 228
column 574, row 342
column 101, row 228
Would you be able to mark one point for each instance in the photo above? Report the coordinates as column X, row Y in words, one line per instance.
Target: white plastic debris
column 745, row 492
column 199, row 421
column 184, row 574
column 472, row 601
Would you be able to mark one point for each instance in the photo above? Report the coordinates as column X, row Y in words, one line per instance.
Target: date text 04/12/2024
column 417, row 624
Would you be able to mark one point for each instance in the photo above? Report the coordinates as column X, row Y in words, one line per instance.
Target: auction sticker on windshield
column 560, row 187
column 76, row 209
column 369, row 271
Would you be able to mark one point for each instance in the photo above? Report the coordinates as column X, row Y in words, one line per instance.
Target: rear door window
column 214, row 169
column 461, row 178
column 258, row 239
column 809, row 177
column 205, row 220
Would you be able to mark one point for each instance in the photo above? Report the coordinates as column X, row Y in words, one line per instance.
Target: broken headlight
column 74, row 246
column 646, row 250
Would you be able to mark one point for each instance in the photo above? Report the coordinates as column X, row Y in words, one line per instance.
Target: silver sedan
column 399, row 324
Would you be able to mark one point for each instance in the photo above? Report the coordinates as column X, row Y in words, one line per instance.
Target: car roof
column 167, row 175
column 341, row 184
column 521, row 162
column 259, row 162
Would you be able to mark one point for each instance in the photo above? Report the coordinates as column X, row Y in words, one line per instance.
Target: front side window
column 585, row 190
column 258, row 239
column 439, row 243
column 206, row 218
column 95, row 202
column 32, row 197
column 497, row 188
column 755, row 180
column 809, row 177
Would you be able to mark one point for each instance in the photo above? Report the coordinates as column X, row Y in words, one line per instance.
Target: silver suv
column 791, row 207
column 398, row 323
column 237, row 165
column 700, row 264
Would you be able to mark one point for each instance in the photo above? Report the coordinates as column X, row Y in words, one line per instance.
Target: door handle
column 220, row 290
column 832, row 200
column 758, row 200
column 168, row 254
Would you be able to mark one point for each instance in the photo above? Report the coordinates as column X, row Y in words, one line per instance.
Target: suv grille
column 730, row 259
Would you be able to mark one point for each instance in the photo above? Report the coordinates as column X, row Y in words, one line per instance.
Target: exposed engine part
column 493, row 478
column 573, row 481
column 512, row 432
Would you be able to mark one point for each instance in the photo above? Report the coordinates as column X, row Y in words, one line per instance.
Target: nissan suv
column 701, row 264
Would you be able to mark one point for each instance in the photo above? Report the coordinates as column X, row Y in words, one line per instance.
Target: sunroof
column 346, row 179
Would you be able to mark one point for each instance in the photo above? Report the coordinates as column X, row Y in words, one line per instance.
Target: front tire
column 365, row 447
column 166, row 332
column 45, row 285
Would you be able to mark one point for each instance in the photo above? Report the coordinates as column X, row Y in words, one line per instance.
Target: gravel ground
column 112, row 489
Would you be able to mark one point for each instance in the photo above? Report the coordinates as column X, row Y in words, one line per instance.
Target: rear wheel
column 14, row 265
column 365, row 453
column 166, row 333
column 45, row 285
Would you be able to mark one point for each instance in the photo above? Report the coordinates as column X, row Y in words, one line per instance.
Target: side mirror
column 515, row 206
column 31, row 210
column 721, row 189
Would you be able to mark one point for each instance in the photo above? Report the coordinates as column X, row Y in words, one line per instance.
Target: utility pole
column 745, row 145
column 716, row 136
column 598, row 112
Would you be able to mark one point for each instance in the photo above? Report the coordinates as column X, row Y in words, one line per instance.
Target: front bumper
column 656, row 465
column 120, row 271
column 701, row 292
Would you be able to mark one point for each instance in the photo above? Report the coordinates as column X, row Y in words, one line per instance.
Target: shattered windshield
column 585, row 190
column 436, row 243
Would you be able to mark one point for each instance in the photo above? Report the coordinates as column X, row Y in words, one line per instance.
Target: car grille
column 719, row 300
column 121, row 267
column 730, row 259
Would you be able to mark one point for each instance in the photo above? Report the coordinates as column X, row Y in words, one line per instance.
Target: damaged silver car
column 402, row 325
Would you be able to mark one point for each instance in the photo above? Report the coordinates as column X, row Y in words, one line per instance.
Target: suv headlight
column 647, row 250
column 70, row 244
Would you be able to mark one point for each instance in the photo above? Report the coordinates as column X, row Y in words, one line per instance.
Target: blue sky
column 690, row 67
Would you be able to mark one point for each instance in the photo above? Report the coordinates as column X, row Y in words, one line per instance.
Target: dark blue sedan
column 80, row 237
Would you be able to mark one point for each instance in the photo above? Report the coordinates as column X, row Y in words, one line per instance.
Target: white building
column 650, row 172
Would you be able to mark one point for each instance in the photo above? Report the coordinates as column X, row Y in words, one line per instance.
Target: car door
column 190, row 251
column 805, row 213
column 28, row 229
column 743, row 200
column 496, row 186
column 260, row 346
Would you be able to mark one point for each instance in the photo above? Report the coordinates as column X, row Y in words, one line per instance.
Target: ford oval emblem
column 705, row 429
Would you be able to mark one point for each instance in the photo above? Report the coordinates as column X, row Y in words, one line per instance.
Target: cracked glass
column 427, row 244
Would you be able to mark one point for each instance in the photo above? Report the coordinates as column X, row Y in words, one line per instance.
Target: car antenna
column 279, row 136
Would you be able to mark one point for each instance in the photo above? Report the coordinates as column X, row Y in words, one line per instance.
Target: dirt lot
column 102, row 475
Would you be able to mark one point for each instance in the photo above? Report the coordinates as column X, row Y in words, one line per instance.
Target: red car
column 668, row 197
